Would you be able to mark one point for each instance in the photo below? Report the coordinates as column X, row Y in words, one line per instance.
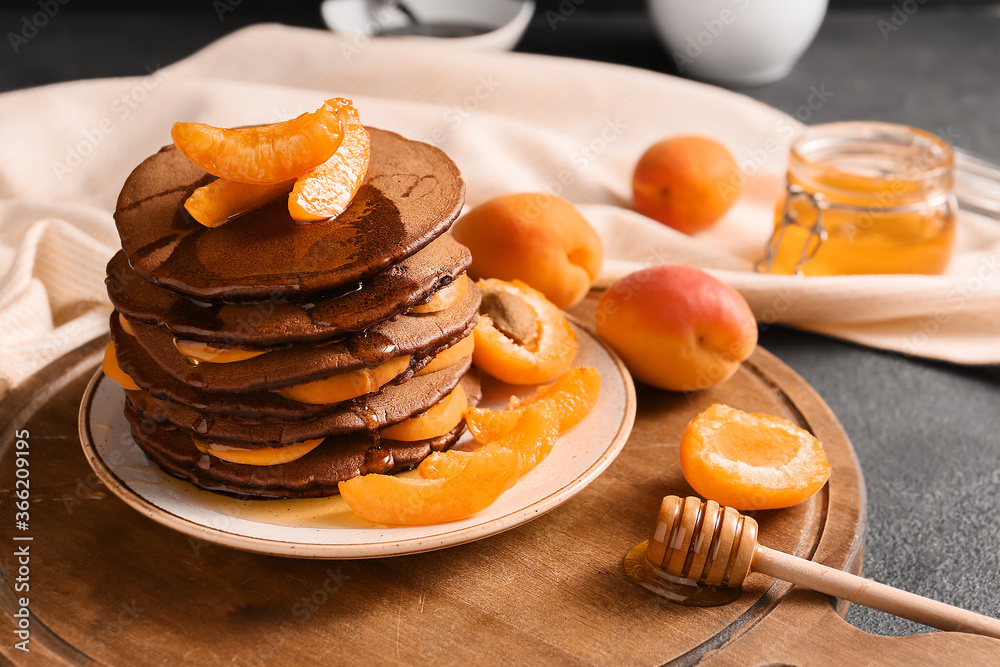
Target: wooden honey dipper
column 705, row 543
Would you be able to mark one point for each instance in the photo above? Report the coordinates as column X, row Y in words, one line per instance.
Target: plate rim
column 355, row 551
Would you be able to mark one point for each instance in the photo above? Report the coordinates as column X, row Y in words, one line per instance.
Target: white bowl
column 743, row 42
column 505, row 20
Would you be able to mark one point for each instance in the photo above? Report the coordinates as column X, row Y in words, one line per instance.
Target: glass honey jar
column 865, row 197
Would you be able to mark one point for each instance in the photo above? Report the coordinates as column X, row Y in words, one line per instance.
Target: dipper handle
column 846, row 586
column 709, row 544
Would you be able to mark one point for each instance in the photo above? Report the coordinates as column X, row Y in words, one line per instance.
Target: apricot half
column 536, row 344
column 751, row 461
column 264, row 154
column 677, row 327
column 686, row 182
column 534, row 237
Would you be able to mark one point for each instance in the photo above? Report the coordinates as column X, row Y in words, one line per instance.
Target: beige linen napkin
column 512, row 122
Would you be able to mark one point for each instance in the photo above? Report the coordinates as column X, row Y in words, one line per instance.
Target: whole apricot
column 676, row 327
column 534, row 237
column 686, row 182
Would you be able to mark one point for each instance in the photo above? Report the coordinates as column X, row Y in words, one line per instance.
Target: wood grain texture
column 112, row 587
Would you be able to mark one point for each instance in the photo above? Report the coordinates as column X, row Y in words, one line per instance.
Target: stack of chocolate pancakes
column 269, row 354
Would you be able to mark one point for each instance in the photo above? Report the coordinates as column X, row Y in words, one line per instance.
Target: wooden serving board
column 109, row 586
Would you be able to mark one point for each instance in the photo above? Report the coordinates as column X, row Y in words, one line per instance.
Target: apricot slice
column 197, row 352
column 437, row 420
column 222, row 200
column 327, row 190
column 126, row 327
column 442, row 465
column 450, row 355
column 517, row 351
column 345, row 386
column 572, row 396
column 397, row 501
column 114, row 371
column 263, row 456
column 264, row 154
column 535, row 432
column 445, row 298
column 751, row 461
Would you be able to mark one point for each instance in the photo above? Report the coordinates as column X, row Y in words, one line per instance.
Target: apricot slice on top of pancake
column 521, row 337
column 572, row 396
column 398, row 501
column 222, row 200
column 265, row 154
column 327, row 190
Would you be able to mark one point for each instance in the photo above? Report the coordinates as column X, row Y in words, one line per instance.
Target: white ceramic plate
column 326, row 527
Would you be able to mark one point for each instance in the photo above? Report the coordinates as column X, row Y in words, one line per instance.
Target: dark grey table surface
column 926, row 433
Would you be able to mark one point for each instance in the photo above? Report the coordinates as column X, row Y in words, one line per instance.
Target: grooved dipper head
column 702, row 541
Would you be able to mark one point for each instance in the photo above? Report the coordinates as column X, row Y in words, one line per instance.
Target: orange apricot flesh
column 126, row 327
column 326, row 190
column 450, row 355
column 114, row 371
column 398, row 501
column 533, row 436
column 198, row 352
column 442, row 465
column 265, row 154
column 542, row 360
column 263, row 456
column 751, row 461
column 437, row 420
column 444, row 298
column 345, row 386
column 222, row 200
column 572, row 396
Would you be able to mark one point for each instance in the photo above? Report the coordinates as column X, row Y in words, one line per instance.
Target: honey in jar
column 865, row 197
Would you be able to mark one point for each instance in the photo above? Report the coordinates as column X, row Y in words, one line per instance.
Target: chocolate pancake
column 418, row 335
column 135, row 361
column 319, row 316
column 393, row 404
column 411, row 194
column 315, row 474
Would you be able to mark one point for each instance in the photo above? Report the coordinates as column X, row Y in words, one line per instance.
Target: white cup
column 502, row 22
column 742, row 42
